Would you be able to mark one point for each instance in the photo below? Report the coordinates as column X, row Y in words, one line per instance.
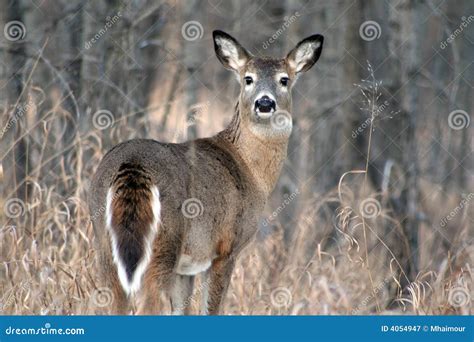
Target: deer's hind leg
column 219, row 277
column 181, row 294
column 110, row 296
column 159, row 276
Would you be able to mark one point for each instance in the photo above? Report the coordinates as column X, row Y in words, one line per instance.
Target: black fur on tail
column 132, row 214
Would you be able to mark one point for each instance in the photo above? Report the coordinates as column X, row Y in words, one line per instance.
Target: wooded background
column 392, row 95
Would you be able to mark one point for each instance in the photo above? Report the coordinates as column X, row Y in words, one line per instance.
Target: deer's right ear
column 228, row 50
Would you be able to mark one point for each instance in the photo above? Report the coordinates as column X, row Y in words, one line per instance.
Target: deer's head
column 266, row 83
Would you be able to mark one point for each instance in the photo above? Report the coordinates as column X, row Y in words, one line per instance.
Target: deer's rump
column 193, row 191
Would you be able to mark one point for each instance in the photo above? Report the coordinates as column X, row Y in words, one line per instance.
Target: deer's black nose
column 265, row 104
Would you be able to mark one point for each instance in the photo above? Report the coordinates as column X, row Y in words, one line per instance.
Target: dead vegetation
column 382, row 222
column 338, row 261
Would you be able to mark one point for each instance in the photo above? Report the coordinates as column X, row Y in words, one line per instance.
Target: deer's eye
column 248, row 80
column 284, row 81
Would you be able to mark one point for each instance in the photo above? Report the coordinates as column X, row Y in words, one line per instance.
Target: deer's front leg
column 218, row 281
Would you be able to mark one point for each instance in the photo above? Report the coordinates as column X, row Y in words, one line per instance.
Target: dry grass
column 338, row 262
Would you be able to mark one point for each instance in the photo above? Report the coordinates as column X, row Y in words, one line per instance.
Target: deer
column 165, row 213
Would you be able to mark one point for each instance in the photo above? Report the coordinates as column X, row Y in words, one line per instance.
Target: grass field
column 339, row 260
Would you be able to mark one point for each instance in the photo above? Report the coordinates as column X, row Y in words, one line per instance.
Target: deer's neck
column 263, row 155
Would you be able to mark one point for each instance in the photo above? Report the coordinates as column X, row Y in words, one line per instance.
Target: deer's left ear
column 306, row 53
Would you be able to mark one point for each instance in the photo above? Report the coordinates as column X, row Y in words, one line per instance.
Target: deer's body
column 164, row 213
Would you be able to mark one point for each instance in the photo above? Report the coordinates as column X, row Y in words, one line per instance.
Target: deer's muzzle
column 265, row 105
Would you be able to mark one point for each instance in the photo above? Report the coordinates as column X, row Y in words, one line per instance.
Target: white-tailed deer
column 164, row 213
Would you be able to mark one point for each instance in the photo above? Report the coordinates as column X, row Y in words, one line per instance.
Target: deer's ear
column 228, row 50
column 306, row 53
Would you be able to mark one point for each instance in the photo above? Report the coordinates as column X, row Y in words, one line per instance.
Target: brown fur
column 231, row 173
column 132, row 214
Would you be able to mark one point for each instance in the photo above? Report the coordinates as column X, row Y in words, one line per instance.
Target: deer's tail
column 132, row 218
